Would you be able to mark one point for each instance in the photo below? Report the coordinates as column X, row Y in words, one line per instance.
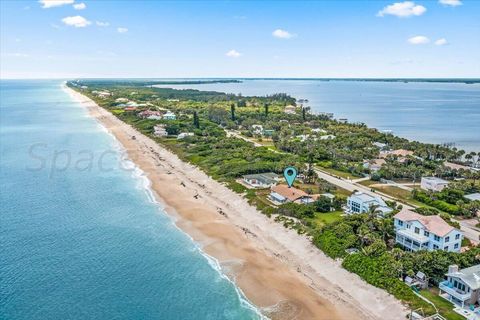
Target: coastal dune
column 278, row 270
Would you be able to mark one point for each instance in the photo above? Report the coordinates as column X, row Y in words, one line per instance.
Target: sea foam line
column 146, row 185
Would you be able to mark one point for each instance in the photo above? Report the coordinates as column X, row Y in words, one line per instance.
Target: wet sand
column 278, row 270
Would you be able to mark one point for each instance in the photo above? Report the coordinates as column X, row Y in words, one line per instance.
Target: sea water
column 430, row 112
column 81, row 237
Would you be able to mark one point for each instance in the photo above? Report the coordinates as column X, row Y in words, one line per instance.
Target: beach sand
column 278, row 270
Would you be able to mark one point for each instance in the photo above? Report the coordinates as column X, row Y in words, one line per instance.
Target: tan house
column 281, row 194
column 400, row 153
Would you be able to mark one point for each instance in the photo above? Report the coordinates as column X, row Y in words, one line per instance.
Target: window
column 417, row 230
column 426, row 233
column 408, row 226
column 400, row 222
column 446, row 248
column 447, row 239
column 459, row 285
column 435, row 247
column 457, row 236
column 437, row 238
column 456, row 246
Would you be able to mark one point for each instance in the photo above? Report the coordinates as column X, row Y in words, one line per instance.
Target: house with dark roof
column 415, row 232
column 261, row 180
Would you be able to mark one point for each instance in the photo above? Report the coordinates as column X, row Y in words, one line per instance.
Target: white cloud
column 18, row 55
column 76, row 21
column 282, row 34
column 54, row 3
column 122, row 30
column 418, row 40
column 452, row 3
column 79, row 6
column 233, row 54
column 102, row 24
column 441, row 42
column 403, row 9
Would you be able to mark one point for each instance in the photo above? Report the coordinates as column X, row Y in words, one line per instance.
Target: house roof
column 291, row 194
column 435, row 179
column 433, row 224
column 455, row 166
column 365, row 197
column 471, row 276
column 266, row 178
column 473, row 196
column 398, row 152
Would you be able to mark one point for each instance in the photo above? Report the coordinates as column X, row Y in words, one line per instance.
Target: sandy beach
column 278, row 270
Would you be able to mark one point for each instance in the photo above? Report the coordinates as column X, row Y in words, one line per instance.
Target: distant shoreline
column 274, row 267
column 212, row 80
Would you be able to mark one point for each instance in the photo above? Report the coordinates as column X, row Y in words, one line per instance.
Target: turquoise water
column 83, row 239
column 422, row 111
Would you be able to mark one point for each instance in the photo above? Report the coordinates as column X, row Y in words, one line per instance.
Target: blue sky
column 75, row 38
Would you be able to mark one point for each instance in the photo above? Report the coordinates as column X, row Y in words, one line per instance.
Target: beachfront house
column 433, row 183
column 261, row 180
column 415, row 232
column 473, row 196
column 159, row 130
column 149, row 114
column 281, row 194
column 360, row 202
column 184, row 135
column 462, row 287
column 169, row 116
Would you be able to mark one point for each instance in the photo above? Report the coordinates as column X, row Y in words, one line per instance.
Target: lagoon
column 431, row 112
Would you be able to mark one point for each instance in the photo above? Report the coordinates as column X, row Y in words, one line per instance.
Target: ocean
column 81, row 236
column 423, row 111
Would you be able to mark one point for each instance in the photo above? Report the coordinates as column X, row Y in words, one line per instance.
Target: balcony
column 454, row 292
column 407, row 233
column 408, row 243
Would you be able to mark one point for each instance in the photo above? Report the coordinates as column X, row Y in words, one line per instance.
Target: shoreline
column 276, row 269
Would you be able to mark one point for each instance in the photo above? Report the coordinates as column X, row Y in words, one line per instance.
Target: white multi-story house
column 169, row 116
column 462, row 287
column 433, row 183
column 360, row 202
column 416, row 232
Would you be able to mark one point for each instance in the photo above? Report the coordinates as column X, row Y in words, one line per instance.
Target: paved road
column 469, row 230
column 351, row 185
column 468, row 227
column 231, row 133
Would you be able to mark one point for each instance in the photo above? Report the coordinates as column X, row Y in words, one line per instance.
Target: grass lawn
column 264, row 142
column 367, row 183
column 322, row 219
column 395, row 192
column 338, row 173
column 445, row 308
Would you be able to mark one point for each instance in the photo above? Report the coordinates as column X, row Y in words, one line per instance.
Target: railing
column 445, row 286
